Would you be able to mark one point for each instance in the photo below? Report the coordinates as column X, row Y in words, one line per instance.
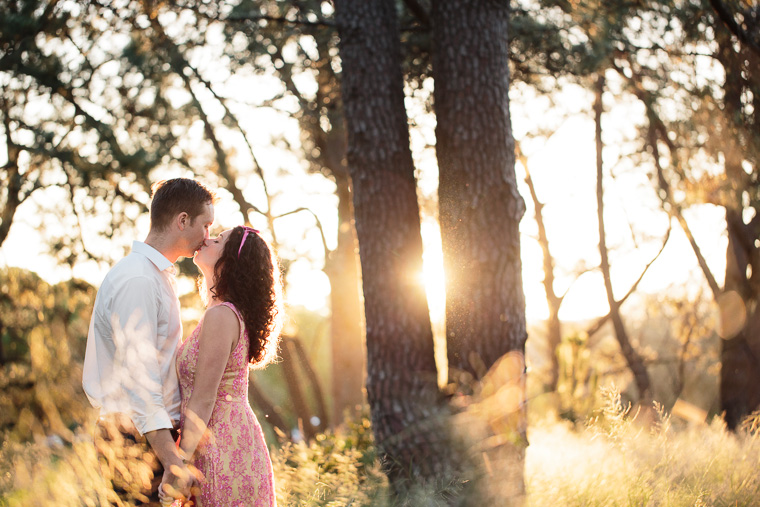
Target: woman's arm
column 218, row 336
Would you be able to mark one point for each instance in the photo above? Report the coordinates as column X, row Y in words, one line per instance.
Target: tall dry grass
column 618, row 461
column 613, row 461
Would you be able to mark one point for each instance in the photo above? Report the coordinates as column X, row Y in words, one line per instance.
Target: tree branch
column 603, row 320
column 658, row 131
column 319, row 226
column 728, row 19
column 255, row 16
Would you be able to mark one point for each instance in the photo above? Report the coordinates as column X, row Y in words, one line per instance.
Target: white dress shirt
column 129, row 363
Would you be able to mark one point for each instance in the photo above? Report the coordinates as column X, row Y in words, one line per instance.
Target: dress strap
column 240, row 318
column 232, row 307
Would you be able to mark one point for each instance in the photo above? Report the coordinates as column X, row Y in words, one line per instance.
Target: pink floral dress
column 233, row 455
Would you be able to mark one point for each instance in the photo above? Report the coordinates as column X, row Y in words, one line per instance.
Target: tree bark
column 480, row 211
column 480, row 208
column 403, row 395
column 740, row 350
column 635, row 363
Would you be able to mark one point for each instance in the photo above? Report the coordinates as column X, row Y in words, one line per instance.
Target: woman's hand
column 176, row 484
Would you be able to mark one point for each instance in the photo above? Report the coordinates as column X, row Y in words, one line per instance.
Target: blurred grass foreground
column 610, row 458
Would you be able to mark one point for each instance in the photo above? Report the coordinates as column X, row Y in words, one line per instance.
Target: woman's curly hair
column 252, row 283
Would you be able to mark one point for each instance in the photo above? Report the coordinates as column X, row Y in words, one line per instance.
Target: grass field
column 613, row 460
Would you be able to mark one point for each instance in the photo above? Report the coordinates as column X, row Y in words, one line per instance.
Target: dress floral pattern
column 233, row 455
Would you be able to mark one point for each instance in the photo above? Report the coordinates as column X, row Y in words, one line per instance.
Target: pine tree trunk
column 401, row 373
column 740, row 348
column 740, row 353
column 635, row 363
column 480, row 208
column 480, row 211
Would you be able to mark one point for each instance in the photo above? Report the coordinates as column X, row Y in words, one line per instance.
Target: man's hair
column 172, row 197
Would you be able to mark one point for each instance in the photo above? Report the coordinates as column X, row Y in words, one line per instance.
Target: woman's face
column 208, row 255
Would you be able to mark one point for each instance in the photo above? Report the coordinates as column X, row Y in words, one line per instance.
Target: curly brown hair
column 252, row 283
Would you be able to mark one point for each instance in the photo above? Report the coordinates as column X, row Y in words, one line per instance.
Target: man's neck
column 163, row 244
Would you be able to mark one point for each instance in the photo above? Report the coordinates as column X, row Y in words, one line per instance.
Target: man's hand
column 176, row 483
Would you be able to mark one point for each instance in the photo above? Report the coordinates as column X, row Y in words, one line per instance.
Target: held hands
column 177, row 484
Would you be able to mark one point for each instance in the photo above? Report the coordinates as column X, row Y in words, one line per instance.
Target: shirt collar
column 156, row 257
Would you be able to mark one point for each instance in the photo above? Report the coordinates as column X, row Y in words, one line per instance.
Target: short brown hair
column 172, row 197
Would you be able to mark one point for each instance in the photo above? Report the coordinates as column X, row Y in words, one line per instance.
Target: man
column 129, row 366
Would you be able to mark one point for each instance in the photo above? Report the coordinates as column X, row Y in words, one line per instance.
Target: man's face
column 196, row 233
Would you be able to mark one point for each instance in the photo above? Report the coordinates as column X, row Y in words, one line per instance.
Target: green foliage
column 337, row 469
column 90, row 108
column 48, row 473
column 577, row 380
column 44, row 332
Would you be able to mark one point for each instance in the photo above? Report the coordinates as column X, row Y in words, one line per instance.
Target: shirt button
column 228, row 398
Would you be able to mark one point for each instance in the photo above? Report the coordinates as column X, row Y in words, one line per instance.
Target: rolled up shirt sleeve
column 137, row 362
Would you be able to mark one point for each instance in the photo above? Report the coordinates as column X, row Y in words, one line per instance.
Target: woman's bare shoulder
column 221, row 320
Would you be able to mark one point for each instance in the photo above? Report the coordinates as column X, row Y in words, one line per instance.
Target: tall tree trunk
column 342, row 266
column 401, row 373
column 635, row 363
column 740, row 346
column 347, row 342
column 480, row 211
column 480, row 208
column 740, row 363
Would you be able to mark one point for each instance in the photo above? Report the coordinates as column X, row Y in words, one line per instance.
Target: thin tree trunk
column 14, row 178
column 341, row 264
column 312, row 379
column 553, row 301
column 347, row 344
column 407, row 418
column 480, row 211
column 635, row 363
column 295, row 383
column 273, row 417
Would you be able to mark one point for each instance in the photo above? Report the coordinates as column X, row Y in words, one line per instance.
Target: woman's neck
column 209, row 300
column 212, row 301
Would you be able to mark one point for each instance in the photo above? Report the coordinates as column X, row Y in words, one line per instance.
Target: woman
column 220, row 435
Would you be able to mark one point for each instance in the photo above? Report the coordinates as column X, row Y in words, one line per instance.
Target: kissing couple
column 175, row 426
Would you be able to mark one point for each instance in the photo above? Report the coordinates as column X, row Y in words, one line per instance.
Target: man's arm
column 137, row 362
column 176, row 473
column 135, row 332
